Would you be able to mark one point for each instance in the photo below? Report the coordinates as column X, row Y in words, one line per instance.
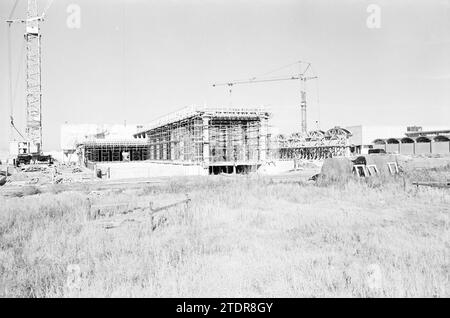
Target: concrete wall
column 418, row 148
column 392, row 148
column 356, row 138
column 407, row 148
column 379, row 146
column 381, row 162
column 440, row 147
column 365, row 135
column 131, row 170
column 423, row 148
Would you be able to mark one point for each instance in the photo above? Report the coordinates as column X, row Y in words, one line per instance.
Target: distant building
column 411, row 140
column 362, row 137
column 75, row 134
column 417, row 141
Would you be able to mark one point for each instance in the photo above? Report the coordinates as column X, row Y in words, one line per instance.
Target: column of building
column 205, row 131
column 262, row 138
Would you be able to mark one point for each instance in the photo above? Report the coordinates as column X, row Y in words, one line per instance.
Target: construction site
column 194, row 140
column 148, row 197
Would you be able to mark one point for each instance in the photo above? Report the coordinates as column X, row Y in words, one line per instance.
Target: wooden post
column 89, row 205
column 188, row 200
column 150, row 206
column 205, row 140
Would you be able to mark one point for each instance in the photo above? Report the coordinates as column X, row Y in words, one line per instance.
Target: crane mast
column 33, row 89
column 33, row 79
column 303, row 107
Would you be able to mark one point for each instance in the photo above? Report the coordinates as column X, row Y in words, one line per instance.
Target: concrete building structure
column 219, row 139
column 362, row 137
column 214, row 139
column 73, row 135
column 359, row 139
column 316, row 144
column 417, row 141
column 112, row 150
column 223, row 140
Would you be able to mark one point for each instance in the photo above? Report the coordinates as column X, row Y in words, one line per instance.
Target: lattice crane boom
column 33, row 79
column 301, row 77
column 33, row 130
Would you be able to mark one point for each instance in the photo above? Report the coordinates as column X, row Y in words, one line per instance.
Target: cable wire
column 317, row 95
column 19, row 71
column 10, row 81
column 10, row 77
column 49, row 4
column 13, row 9
column 276, row 70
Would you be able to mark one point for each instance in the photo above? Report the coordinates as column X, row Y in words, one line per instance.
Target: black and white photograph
column 204, row 150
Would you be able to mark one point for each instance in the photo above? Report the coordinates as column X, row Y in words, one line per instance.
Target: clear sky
column 136, row 60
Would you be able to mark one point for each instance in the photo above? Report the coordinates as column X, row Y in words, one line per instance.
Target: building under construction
column 315, row 144
column 90, row 151
column 219, row 140
column 222, row 140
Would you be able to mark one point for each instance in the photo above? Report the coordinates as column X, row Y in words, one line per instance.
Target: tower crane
column 302, row 77
column 32, row 145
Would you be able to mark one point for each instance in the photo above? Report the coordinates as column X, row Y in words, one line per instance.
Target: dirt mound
column 381, row 161
column 336, row 168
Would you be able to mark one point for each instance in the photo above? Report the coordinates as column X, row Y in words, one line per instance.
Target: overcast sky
column 136, row 60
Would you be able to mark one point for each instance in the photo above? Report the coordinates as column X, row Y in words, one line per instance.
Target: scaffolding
column 315, row 145
column 209, row 137
column 112, row 150
column 177, row 141
column 235, row 140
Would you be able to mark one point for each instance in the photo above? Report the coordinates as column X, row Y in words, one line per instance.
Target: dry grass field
column 242, row 236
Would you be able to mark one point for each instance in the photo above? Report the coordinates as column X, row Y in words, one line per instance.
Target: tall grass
column 242, row 236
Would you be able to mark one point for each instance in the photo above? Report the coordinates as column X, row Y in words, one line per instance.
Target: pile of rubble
column 42, row 174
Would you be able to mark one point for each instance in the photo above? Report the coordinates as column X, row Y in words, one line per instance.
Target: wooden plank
column 433, row 184
column 95, row 210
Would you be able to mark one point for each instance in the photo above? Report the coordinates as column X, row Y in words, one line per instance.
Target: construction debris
column 77, row 170
column 34, row 181
column 135, row 212
column 5, row 174
column 35, row 169
column 110, row 209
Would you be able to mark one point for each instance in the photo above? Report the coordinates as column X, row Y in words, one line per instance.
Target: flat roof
column 189, row 112
column 425, row 133
column 113, row 142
